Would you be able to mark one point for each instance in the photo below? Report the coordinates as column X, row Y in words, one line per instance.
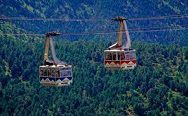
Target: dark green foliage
column 158, row 85
column 97, row 11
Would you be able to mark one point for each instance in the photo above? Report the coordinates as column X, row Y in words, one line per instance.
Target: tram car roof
column 55, row 66
column 120, row 50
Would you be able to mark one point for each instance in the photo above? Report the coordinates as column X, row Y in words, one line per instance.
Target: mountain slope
column 97, row 10
column 158, row 86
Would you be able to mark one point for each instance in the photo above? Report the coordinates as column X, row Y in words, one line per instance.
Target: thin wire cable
column 152, row 28
column 160, row 17
column 98, row 33
column 46, row 19
column 156, row 30
column 90, row 20
column 22, row 34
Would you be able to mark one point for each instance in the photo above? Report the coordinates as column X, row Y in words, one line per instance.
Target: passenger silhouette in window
column 114, row 56
column 108, row 56
column 122, row 56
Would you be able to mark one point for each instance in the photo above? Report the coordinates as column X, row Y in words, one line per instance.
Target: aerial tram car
column 54, row 72
column 118, row 56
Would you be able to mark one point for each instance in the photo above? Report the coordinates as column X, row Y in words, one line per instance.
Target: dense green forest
column 100, row 12
column 158, row 85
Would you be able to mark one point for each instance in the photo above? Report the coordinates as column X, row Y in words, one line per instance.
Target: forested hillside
column 157, row 86
column 100, row 12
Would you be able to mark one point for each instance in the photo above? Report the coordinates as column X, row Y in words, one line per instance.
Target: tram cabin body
column 55, row 75
column 120, row 58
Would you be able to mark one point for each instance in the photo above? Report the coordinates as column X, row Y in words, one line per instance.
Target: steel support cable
column 152, row 28
column 99, row 33
column 46, row 19
column 159, row 17
column 90, row 20
column 21, row 34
